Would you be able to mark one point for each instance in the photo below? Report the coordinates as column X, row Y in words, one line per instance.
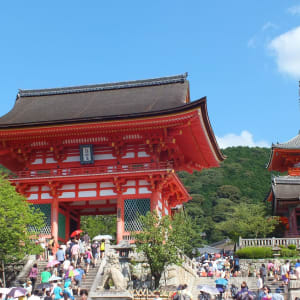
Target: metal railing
column 268, row 242
column 95, row 170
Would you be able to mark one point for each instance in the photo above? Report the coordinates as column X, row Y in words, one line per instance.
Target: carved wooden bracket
column 54, row 189
column 21, row 188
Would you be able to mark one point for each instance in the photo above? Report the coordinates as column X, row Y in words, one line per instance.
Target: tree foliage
column 20, row 223
column 241, row 178
column 161, row 240
column 95, row 225
column 248, row 220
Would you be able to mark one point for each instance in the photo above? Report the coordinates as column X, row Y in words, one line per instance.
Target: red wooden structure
column 285, row 191
column 106, row 149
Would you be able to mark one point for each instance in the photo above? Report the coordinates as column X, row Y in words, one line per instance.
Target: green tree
column 248, row 221
column 20, row 223
column 161, row 240
column 95, row 225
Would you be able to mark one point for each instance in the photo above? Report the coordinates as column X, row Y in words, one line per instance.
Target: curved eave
column 276, row 160
column 210, row 132
column 185, row 193
column 124, row 117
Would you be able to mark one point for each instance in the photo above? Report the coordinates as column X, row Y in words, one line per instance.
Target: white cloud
column 286, row 48
column 294, row 10
column 244, row 139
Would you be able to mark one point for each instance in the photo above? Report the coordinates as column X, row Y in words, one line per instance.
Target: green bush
column 255, row 252
column 292, row 247
column 286, row 252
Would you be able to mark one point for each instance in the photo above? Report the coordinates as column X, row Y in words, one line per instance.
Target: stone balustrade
column 268, row 242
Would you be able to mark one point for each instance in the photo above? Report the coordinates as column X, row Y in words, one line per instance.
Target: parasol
column 54, row 278
column 17, row 292
column 102, row 237
column 52, row 263
column 208, row 289
column 76, row 232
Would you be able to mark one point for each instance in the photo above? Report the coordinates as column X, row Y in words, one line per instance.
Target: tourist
column 86, row 238
column 270, row 267
column 78, row 278
column 266, row 293
column 42, row 243
column 88, row 259
column 33, row 275
column 102, row 248
column 263, row 273
column 48, row 296
column 50, row 246
column 28, row 286
column 285, row 269
column 84, row 295
column 68, row 290
column 60, row 256
column 75, row 251
column 236, row 265
column 95, row 247
column 297, row 268
column 66, row 265
column 259, row 284
column 45, row 275
column 244, row 293
column 185, row 293
column 58, row 292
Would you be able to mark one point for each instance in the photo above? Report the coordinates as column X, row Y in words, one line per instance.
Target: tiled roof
column 97, row 102
column 294, row 143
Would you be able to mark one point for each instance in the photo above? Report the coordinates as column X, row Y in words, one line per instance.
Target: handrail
column 269, row 242
column 95, row 170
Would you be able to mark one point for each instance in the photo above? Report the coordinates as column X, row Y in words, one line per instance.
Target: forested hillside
column 242, row 178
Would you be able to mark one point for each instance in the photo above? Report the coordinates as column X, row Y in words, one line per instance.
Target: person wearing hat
column 58, row 292
column 68, row 290
column 28, row 286
column 60, row 256
column 88, row 258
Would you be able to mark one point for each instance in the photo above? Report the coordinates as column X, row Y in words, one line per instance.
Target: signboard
column 86, row 154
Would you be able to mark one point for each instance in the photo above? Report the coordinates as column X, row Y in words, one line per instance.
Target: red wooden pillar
column 120, row 218
column 67, row 225
column 154, row 200
column 54, row 221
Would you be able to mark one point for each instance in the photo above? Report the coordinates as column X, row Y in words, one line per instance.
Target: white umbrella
column 208, row 289
column 4, row 291
column 54, row 278
column 102, row 237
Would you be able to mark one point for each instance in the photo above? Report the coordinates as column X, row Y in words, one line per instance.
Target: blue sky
column 243, row 55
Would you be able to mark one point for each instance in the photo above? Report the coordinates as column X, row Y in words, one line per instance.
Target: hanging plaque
column 86, row 154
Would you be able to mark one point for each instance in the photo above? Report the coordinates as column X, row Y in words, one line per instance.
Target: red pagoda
column 106, row 149
column 285, row 191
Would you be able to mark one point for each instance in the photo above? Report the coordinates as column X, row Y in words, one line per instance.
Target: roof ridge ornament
column 105, row 86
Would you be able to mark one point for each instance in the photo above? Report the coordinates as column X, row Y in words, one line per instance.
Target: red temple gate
column 106, row 149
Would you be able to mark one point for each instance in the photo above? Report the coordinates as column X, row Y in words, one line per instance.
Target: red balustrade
column 98, row 170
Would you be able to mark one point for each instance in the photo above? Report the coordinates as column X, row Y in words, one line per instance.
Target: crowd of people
column 224, row 267
column 67, row 265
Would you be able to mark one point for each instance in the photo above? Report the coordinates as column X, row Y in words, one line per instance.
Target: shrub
column 292, row 247
column 286, row 252
column 255, row 252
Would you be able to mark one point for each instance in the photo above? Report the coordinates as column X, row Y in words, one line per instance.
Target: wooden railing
column 268, row 242
column 95, row 170
column 294, row 171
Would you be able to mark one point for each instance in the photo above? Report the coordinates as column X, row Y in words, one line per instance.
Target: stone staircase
column 85, row 284
column 251, row 282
